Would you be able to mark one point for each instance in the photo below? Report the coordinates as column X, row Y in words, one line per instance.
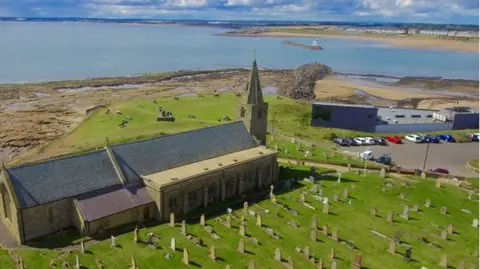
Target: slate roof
column 113, row 200
column 53, row 180
column 158, row 154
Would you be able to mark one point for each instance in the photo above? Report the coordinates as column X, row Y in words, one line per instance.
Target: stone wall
column 47, row 218
column 188, row 195
column 129, row 216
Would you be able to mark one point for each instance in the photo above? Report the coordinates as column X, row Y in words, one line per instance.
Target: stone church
column 141, row 180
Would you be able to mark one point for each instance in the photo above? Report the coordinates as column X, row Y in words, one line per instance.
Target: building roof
column 342, row 105
column 185, row 172
column 254, row 90
column 167, row 152
column 109, row 201
column 405, row 115
column 56, row 179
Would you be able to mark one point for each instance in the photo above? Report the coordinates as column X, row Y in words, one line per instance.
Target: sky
column 427, row 11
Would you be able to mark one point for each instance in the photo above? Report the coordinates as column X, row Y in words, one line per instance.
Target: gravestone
column 444, row 262
column 404, row 215
column 228, row 223
column 306, row 252
column 113, row 242
column 302, row 197
column 273, row 198
column 470, row 195
column 408, row 254
column 259, row 220
column 424, row 175
column 444, row 234
column 333, row 265
column 271, row 190
column 443, row 210
column 241, row 230
column 382, row 173
column 335, row 198
column 202, row 220
column 77, row 262
column 241, row 246
column 427, row 203
column 212, row 255
column 82, row 247
column 402, row 195
column 475, row 223
column 415, row 208
column 173, row 244
column 438, row 184
column 314, row 224
column 325, row 229
column 345, row 193
column 172, row 220
column 339, row 179
column 313, row 235
column 290, row 263
column 135, row 235
column 335, row 234
column 450, row 229
column 185, row 257
column 392, row 247
column 398, row 236
column 390, row 217
column 251, row 264
column 320, row 263
column 245, row 208
column 461, row 265
column 184, row 228
column 332, row 254
column 357, row 264
column 373, row 212
column 278, row 255
column 325, row 208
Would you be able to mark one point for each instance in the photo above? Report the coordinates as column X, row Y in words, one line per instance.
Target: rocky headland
column 305, row 78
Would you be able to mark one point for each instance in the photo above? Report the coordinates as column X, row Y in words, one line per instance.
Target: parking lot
column 452, row 156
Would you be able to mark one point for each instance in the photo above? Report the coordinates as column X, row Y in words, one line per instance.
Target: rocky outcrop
column 305, row 78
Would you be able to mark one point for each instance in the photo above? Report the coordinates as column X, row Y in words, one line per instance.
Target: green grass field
column 354, row 223
column 285, row 115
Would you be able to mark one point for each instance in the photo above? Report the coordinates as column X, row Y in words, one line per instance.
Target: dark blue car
column 447, row 138
column 384, row 159
column 432, row 139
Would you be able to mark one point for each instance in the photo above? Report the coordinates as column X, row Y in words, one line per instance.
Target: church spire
column 253, row 89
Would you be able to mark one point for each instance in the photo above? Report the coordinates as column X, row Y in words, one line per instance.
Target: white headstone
column 325, row 200
column 173, row 245
column 475, row 223
column 229, row 211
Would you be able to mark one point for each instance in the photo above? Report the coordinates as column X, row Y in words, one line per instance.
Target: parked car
column 447, row 138
column 370, row 141
column 430, row 139
column 414, row 138
column 367, row 155
column 472, row 137
column 384, row 159
column 360, row 141
column 380, row 141
column 341, row 142
column 439, row 170
column 394, row 139
column 351, row 142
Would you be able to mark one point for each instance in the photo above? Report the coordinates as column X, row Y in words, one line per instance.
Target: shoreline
column 393, row 41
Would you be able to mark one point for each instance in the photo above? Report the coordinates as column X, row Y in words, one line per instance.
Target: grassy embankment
column 286, row 115
column 354, row 223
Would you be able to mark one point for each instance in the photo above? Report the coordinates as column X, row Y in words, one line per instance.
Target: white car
column 414, row 138
column 370, row 141
column 366, row 155
column 360, row 140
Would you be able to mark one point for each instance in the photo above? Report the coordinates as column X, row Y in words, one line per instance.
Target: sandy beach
column 394, row 41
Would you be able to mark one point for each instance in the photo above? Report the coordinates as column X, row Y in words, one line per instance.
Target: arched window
column 5, row 202
column 50, row 215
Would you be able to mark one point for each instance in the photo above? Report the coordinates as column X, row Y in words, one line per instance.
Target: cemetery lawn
column 287, row 116
column 354, row 223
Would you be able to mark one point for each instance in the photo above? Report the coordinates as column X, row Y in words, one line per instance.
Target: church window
column 242, row 112
column 5, row 202
column 50, row 215
column 172, row 202
column 259, row 113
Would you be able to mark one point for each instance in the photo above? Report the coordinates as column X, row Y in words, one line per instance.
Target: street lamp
column 426, row 155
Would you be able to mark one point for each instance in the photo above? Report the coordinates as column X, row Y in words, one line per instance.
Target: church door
column 146, row 213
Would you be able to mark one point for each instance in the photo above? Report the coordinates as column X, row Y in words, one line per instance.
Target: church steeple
column 253, row 110
column 254, row 89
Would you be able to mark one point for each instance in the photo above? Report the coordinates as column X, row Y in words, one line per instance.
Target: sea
column 45, row 51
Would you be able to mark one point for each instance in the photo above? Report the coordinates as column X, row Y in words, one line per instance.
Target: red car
column 439, row 170
column 394, row 139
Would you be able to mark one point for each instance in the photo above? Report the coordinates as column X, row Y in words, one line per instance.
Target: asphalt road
column 452, row 156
